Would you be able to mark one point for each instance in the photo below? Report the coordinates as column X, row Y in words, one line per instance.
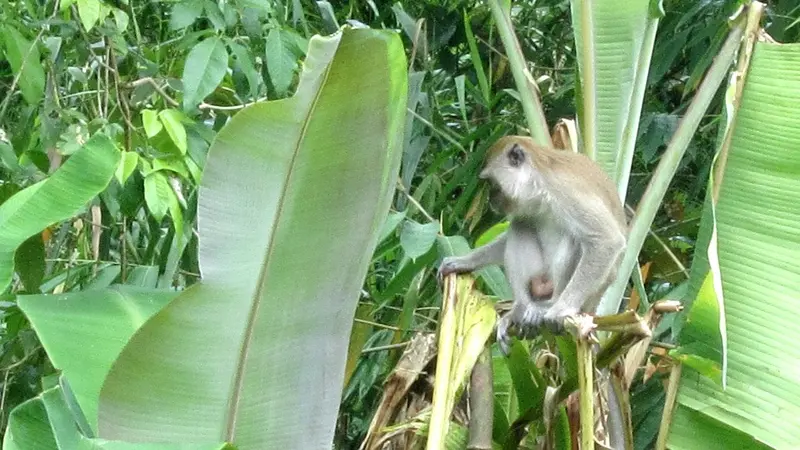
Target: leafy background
column 161, row 79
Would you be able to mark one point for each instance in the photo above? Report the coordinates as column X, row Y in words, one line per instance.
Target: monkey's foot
column 584, row 326
column 530, row 322
column 554, row 320
column 503, row 337
column 524, row 324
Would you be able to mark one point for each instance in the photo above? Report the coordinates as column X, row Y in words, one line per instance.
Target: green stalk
column 621, row 392
column 625, row 157
column 585, row 385
column 669, row 406
column 754, row 12
column 586, row 121
column 666, row 169
column 528, row 91
column 440, row 413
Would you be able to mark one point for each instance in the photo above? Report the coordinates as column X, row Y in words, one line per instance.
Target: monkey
column 541, row 287
column 567, row 227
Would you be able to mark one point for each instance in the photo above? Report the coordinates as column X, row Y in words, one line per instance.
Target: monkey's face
column 508, row 171
column 498, row 202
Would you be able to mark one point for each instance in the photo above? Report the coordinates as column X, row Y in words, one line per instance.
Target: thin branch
column 3, row 398
column 384, row 347
column 666, row 247
column 377, row 325
column 663, row 345
column 159, row 89
column 100, row 60
column 82, row 93
column 205, row 105
column 122, row 100
column 415, row 45
column 433, row 127
column 22, row 361
column 416, row 313
column 414, row 201
column 108, row 71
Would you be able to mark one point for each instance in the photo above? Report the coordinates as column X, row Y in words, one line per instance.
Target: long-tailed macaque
column 567, row 228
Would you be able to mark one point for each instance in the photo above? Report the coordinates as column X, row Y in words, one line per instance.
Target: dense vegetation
column 161, row 79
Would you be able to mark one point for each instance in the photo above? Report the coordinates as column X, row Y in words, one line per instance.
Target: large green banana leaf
column 45, row 422
column 758, row 239
column 56, row 198
column 100, row 321
column 292, row 199
column 614, row 43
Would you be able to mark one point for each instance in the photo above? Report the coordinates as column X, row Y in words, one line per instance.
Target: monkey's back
column 583, row 174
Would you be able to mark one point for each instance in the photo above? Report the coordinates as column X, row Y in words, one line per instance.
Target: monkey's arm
column 491, row 253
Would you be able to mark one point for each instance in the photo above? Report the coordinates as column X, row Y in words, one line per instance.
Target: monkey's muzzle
column 497, row 201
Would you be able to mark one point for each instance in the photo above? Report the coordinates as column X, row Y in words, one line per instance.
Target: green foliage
column 416, row 239
column 158, row 80
column 281, row 59
column 54, row 199
column 205, row 66
column 25, row 63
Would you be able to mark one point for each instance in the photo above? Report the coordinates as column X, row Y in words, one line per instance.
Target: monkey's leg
column 525, row 269
column 491, row 253
column 590, row 306
column 597, row 265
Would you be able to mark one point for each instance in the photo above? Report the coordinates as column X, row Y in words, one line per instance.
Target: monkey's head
column 511, row 173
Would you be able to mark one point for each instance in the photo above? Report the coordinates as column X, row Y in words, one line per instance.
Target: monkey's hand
column 453, row 264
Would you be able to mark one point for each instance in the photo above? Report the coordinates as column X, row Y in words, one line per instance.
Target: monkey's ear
column 516, row 155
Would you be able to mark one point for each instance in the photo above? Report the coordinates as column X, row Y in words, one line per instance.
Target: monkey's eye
column 516, row 156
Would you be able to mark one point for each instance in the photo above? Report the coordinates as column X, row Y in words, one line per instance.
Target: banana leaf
column 758, row 239
column 56, row 198
column 291, row 203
